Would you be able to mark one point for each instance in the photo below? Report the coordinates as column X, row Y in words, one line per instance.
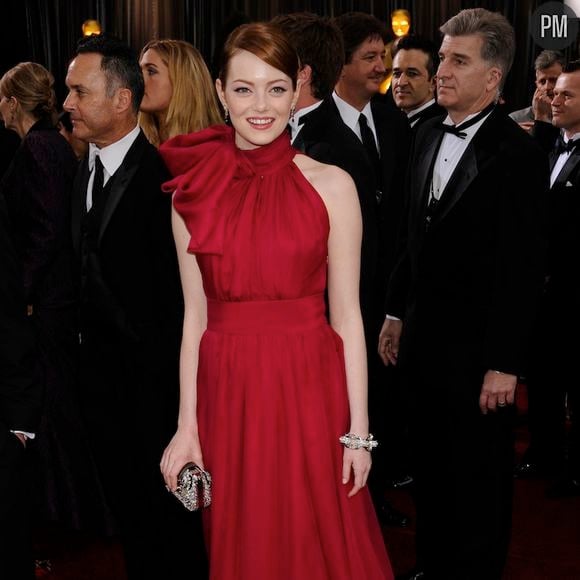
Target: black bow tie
column 563, row 147
column 458, row 130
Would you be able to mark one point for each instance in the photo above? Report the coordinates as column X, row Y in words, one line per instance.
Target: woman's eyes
column 277, row 90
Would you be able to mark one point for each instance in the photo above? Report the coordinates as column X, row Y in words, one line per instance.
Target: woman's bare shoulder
column 330, row 181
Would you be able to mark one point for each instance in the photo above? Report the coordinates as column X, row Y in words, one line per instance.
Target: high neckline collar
column 265, row 159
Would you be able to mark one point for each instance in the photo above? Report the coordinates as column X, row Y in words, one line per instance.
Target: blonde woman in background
column 179, row 92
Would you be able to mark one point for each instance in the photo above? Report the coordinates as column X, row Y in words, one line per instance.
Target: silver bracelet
column 352, row 441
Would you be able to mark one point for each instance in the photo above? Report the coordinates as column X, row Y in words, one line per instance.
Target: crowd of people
column 268, row 274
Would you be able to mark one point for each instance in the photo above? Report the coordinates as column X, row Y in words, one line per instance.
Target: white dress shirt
column 450, row 153
column 350, row 116
column 111, row 157
column 562, row 158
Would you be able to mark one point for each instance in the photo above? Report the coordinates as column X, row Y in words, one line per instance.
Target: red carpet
column 545, row 539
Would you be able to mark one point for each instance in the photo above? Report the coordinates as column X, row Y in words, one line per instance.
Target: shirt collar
column 112, row 155
column 304, row 111
column 574, row 137
column 350, row 114
column 470, row 131
column 421, row 108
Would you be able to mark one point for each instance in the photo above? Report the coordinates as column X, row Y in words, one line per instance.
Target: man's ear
column 124, row 99
column 299, row 85
column 305, row 75
column 494, row 78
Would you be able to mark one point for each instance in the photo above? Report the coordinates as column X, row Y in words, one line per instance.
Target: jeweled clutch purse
column 193, row 487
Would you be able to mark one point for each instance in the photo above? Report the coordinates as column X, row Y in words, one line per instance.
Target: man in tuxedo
column 20, row 403
column 415, row 62
column 462, row 300
column 385, row 136
column 552, row 381
column 131, row 307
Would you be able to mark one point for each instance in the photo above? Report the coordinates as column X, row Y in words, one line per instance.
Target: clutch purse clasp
column 193, row 487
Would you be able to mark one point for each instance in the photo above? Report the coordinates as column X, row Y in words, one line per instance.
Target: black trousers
column 463, row 466
column 552, row 381
column 16, row 560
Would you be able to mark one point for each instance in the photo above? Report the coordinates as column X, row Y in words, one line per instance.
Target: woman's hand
column 359, row 461
column 183, row 448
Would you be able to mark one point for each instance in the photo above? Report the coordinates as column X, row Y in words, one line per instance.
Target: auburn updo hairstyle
column 268, row 43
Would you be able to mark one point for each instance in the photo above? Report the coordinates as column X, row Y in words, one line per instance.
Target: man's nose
column 67, row 105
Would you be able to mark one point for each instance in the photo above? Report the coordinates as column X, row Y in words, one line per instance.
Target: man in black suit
column 318, row 131
column 552, row 381
column 385, row 135
column 462, row 300
column 415, row 61
column 131, row 307
column 20, row 403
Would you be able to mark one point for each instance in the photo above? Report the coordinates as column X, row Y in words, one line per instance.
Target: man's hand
column 542, row 106
column 389, row 341
column 527, row 126
column 22, row 437
column 498, row 391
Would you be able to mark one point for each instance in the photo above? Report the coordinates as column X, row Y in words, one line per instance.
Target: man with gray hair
column 461, row 301
column 548, row 66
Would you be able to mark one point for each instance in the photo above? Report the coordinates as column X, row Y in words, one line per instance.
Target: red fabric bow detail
column 203, row 165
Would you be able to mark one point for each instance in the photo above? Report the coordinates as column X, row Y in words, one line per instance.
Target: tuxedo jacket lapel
column 464, row 174
column 553, row 157
column 424, row 171
column 121, row 180
column 479, row 152
column 568, row 168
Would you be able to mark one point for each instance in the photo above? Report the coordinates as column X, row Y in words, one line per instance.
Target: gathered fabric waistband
column 266, row 316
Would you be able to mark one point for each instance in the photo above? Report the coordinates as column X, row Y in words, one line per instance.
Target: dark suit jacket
column 327, row 139
column 37, row 187
column 546, row 135
column 433, row 110
column 561, row 298
column 20, row 397
column 381, row 221
column 131, row 302
column 20, row 391
column 467, row 286
column 394, row 138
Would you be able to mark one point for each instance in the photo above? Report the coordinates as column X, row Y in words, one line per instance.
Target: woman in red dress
column 267, row 384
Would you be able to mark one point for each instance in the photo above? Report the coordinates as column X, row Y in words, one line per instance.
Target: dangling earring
column 226, row 115
column 292, row 111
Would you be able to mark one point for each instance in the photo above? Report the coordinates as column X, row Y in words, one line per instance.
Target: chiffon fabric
column 272, row 398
